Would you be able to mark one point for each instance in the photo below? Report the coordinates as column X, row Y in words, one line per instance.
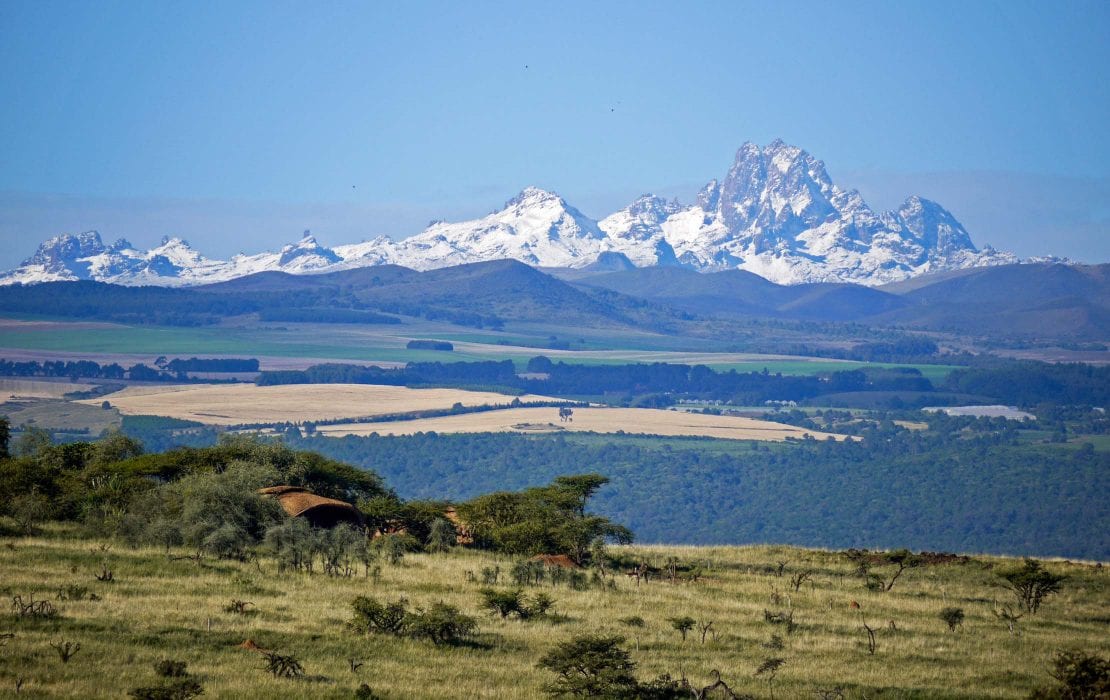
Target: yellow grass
column 231, row 404
column 647, row 421
column 159, row 608
column 32, row 389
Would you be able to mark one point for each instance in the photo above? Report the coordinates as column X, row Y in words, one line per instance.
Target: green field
column 158, row 608
column 387, row 344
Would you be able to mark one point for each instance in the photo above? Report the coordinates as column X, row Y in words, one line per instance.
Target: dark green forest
column 967, row 485
column 1005, row 381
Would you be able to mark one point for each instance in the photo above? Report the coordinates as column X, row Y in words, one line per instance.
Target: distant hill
column 1052, row 302
column 1045, row 300
column 737, row 293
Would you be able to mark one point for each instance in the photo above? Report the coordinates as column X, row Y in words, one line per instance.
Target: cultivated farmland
column 236, row 404
column 647, row 421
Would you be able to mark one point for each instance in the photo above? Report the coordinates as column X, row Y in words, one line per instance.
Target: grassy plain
column 641, row 421
column 160, row 608
column 233, row 404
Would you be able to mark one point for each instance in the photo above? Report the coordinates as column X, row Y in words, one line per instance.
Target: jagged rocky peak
column 709, row 196
column 67, row 248
column 308, row 247
column 530, row 196
column 934, row 227
column 780, row 189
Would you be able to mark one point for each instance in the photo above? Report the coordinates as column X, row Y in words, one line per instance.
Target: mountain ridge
column 777, row 214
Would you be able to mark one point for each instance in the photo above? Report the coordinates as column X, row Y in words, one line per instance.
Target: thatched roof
column 300, row 502
column 561, row 560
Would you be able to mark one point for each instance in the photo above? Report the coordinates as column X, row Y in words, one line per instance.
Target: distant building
column 299, row 502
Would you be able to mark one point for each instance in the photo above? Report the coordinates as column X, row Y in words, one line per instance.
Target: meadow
column 636, row 421
column 164, row 605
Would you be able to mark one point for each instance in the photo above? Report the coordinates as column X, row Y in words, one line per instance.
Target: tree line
column 964, row 484
column 209, row 498
column 163, row 370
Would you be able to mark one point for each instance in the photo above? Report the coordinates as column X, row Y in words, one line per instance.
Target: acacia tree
column 682, row 624
column 903, row 559
column 591, row 666
column 549, row 519
column 1031, row 584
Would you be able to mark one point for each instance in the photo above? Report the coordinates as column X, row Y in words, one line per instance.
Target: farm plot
column 236, row 404
column 38, row 389
column 646, row 421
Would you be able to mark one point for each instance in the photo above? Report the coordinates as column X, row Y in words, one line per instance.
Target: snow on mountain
column 536, row 227
column 776, row 213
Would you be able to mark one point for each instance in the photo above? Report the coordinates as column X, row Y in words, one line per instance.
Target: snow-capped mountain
column 776, row 213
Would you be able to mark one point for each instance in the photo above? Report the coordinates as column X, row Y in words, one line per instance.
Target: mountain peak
column 776, row 213
column 533, row 195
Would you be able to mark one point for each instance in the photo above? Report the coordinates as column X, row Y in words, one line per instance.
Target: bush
column 168, row 668
column 181, row 689
column 372, row 616
column 1081, row 675
column 503, row 603
column 953, row 617
column 441, row 624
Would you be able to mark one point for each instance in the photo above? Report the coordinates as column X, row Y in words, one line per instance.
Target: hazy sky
column 239, row 124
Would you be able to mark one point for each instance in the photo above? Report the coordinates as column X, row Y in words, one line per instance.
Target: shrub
column 283, row 665
column 503, row 603
column 168, row 668
column 953, row 617
column 441, row 624
column 181, row 689
column 372, row 616
column 1081, row 675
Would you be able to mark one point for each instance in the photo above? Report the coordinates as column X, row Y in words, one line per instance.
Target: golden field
column 647, row 421
column 232, row 404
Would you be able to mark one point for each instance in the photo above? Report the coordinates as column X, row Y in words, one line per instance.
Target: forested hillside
column 966, row 486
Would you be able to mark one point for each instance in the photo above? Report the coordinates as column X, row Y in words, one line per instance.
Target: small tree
column 903, row 559
column 770, row 668
column 953, row 617
column 682, row 624
column 1007, row 615
column 1032, row 583
column 392, row 547
column 441, row 536
column 591, row 666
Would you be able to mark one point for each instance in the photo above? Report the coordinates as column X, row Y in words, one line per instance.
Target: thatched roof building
column 299, row 502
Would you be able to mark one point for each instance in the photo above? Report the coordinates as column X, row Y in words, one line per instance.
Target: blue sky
column 239, row 124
